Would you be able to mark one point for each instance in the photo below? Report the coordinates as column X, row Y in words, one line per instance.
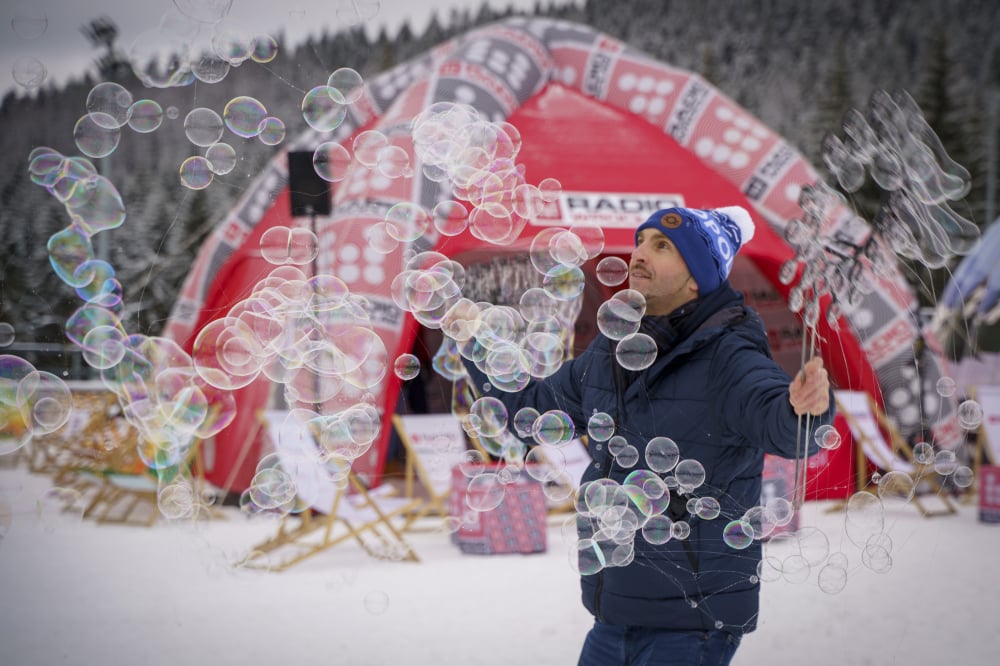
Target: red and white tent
column 624, row 134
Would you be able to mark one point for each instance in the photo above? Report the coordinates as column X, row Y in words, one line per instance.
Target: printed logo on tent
column 609, row 210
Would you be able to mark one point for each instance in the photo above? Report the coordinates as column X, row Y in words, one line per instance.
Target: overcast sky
column 66, row 53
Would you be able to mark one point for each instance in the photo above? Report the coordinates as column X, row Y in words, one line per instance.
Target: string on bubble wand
column 809, row 336
column 841, row 251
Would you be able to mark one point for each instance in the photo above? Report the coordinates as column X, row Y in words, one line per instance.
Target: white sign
column 608, row 210
column 438, row 443
column 988, row 398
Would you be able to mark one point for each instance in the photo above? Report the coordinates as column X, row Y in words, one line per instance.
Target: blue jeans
column 610, row 644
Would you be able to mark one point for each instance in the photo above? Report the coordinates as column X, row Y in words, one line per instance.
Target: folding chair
column 867, row 424
column 132, row 496
column 434, row 444
column 96, row 454
column 335, row 508
column 87, row 454
column 84, row 435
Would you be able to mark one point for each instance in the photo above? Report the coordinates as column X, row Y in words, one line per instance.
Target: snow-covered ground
column 75, row 592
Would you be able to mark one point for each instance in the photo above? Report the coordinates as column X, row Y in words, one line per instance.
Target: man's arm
column 760, row 402
column 561, row 390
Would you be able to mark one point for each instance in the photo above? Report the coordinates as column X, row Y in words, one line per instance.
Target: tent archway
column 647, row 128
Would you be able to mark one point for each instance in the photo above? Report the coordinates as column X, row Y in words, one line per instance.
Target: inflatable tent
column 624, row 134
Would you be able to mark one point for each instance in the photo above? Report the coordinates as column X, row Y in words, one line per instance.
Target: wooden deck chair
column 434, row 444
column 987, row 445
column 129, row 493
column 867, row 424
column 83, row 435
column 96, row 454
column 573, row 460
column 334, row 511
column 93, row 445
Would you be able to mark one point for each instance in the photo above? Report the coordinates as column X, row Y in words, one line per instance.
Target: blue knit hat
column 707, row 239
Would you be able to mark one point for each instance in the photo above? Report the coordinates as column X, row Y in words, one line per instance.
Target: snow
column 76, row 592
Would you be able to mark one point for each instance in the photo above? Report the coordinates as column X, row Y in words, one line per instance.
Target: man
column 713, row 389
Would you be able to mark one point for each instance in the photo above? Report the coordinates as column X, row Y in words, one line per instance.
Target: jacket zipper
column 726, row 316
column 620, row 398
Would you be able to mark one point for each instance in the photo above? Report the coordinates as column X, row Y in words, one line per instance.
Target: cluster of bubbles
column 110, row 108
column 32, row 403
column 896, row 146
column 478, row 160
column 323, row 108
column 905, row 158
column 160, row 392
column 311, row 335
column 283, row 329
column 196, row 43
column 795, row 556
column 93, row 205
column 611, row 515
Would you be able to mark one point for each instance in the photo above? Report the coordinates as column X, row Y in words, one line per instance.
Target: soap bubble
column 331, row 161
column 689, row 474
column 196, row 173
column 29, row 21
column 662, row 454
column 738, row 534
column 946, row 387
column 827, row 437
column 92, row 136
column 203, row 127
column 636, row 351
column 243, row 116
column 485, row 492
column 970, row 415
column 109, row 104
column 612, row 271
column 600, row 426
column 145, row 116
column 406, row 366
column 348, row 83
column 324, row 108
column 221, row 158
column 832, row 579
column 29, row 73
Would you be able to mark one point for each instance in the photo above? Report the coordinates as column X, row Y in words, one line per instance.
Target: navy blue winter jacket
column 719, row 395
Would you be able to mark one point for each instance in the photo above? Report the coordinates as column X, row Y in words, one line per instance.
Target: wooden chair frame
column 355, row 512
column 435, row 490
column 96, row 455
column 894, row 455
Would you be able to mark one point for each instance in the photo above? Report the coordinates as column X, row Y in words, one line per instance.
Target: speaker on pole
column 310, row 194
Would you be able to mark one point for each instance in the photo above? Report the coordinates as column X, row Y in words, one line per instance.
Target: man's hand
column 809, row 392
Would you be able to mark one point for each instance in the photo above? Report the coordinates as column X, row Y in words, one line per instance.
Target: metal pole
column 991, row 158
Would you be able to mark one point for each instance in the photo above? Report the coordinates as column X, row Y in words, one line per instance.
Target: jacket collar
column 687, row 323
column 683, row 330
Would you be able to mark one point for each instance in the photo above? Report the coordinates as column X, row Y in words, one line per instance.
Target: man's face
column 658, row 272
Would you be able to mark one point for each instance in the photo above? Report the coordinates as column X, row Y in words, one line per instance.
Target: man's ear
column 692, row 285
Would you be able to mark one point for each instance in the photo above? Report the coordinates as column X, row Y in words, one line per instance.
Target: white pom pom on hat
column 742, row 218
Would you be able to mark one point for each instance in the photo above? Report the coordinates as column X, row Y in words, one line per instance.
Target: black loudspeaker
column 310, row 193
